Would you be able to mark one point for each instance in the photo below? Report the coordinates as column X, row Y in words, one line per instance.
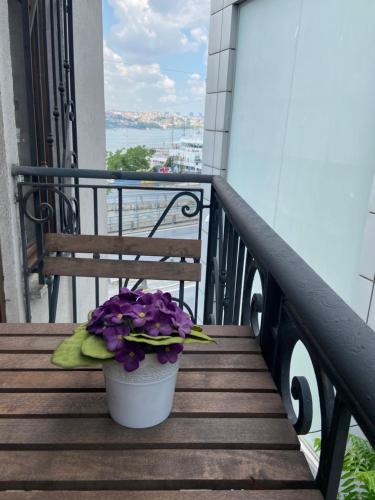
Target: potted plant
column 138, row 338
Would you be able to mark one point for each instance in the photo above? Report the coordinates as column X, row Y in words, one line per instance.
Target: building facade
column 49, row 116
column 289, row 122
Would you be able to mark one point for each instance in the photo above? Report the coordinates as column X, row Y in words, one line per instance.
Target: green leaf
column 153, row 340
column 193, row 340
column 195, row 336
column 146, row 336
column 197, row 332
column 95, row 347
column 68, row 354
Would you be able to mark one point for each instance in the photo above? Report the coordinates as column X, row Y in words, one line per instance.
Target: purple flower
column 130, row 356
column 128, row 296
column 140, row 315
column 154, row 314
column 182, row 322
column 169, row 353
column 114, row 337
column 147, row 299
column 168, row 306
column 160, row 324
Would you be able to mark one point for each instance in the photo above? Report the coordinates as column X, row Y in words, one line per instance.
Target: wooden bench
column 228, row 430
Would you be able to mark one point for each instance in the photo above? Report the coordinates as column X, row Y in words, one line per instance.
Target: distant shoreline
column 151, row 126
column 124, row 137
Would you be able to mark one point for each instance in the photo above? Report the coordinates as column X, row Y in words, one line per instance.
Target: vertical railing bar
column 38, row 92
column 181, row 289
column 56, row 112
column 333, row 451
column 53, row 289
column 196, row 300
column 222, row 271
column 211, row 254
column 231, row 278
column 238, row 283
column 217, row 260
column 24, row 255
column 120, row 229
column 50, row 160
column 96, row 232
column 61, row 87
column 72, row 103
column 74, row 296
column 248, row 261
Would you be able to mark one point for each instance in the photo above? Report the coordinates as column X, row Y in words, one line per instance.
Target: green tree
column 136, row 159
column 358, row 472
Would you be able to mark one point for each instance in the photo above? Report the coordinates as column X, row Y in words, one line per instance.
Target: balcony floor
column 228, row 428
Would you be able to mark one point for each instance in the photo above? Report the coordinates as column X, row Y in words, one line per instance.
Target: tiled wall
column 220, row 70
column 365, row 300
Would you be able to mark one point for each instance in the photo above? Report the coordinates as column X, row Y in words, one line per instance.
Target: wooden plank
column 63, row 329
column 165, row 495
column 153, row 469
column 186, row 404
column 105, row 268
column 68, row 381
column 228, row 330
column 104, row 433
column 196, row 361
column 30, row 329
column 127, row 245
column 46, row 344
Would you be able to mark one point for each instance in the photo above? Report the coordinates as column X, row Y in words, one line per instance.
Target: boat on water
column 184, row 156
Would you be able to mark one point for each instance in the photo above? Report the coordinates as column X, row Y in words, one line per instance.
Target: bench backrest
column 110, row 268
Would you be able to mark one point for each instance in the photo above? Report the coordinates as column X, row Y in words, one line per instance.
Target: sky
column 155, row 54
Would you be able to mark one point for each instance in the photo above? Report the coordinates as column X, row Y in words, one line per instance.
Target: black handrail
column 84, row 173
column 343, row 343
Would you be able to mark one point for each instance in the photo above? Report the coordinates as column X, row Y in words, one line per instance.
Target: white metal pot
column 144, row 397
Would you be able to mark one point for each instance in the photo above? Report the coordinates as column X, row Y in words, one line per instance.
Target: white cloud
column 136, row 79
column 168, row 98
column 145, row 33
column 147, row 28
column 196, row 86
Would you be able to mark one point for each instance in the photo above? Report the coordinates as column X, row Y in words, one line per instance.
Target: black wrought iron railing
column 252, row 277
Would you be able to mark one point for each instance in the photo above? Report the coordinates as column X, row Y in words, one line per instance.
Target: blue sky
column 155, row 54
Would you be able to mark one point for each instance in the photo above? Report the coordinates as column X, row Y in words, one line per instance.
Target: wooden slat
column 164, row 495
column 105, row 268
column 153, row 469
column 45, row 344
column 258, row 405
column 128, row 245
column 69, row 381
column 103, row 433
column 31, row 329
column 196, row 361
column 63, row 329
column 228, row 331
